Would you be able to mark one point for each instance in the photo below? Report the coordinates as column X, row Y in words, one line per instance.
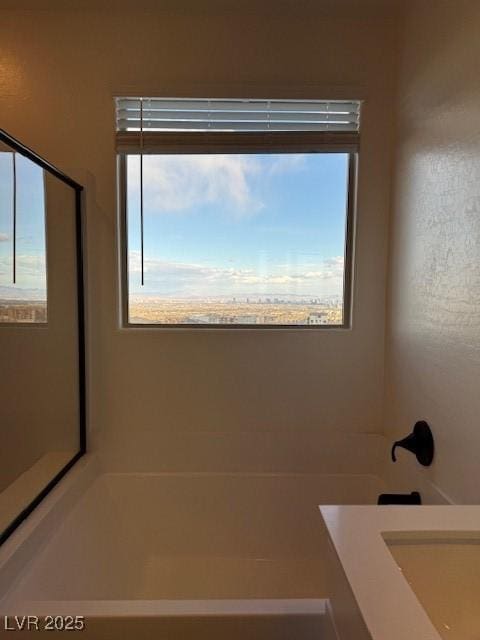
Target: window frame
column 128, row 143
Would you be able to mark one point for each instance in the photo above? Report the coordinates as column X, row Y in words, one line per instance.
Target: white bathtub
column 180, row 555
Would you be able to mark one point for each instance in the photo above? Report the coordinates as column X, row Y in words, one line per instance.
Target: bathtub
column 180, row 555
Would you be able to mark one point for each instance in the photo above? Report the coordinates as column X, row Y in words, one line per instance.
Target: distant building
column 201, row 319
column 247, row 319
column 317, row 318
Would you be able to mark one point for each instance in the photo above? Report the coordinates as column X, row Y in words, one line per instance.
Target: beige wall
column 433, row 335
column 154, row 391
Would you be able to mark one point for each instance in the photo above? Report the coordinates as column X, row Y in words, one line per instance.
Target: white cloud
column 168, row 277
column 4, row 237
column 179, row 183
column 286, row 163
column 30, row 270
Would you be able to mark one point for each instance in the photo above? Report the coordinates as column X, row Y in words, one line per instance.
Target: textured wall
column 242, row 394
column 433, row 334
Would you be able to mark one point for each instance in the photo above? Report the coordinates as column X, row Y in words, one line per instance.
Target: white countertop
column 389, row 607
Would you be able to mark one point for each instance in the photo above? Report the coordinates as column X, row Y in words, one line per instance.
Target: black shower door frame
column 20, row 148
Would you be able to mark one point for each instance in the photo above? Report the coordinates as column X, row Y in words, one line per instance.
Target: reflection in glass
column 40, row 410
column 24, row 300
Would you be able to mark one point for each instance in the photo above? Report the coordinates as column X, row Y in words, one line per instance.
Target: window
column 237, row 213
column 23, row 274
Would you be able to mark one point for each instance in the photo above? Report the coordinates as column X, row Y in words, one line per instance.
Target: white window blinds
column 233, row 115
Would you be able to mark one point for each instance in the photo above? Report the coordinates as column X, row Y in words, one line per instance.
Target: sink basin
column 405, row 572
column 444, row 573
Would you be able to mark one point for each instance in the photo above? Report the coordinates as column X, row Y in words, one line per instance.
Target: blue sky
column 31, row 272
column 239, row 225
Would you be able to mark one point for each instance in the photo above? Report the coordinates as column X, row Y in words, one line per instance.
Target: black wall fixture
column 419, row 442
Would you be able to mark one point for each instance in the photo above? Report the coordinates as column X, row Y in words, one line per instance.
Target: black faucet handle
column 419, row 442
column 394, row 446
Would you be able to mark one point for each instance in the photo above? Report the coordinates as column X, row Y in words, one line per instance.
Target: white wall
column 433, row 336
column 208, row 399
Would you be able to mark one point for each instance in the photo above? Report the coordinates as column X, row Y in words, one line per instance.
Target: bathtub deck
column 188, row 555
column 209, row 576
column 193, row 536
